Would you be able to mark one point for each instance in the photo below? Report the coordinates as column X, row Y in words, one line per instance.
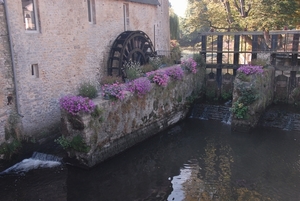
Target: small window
column 91, row 11
column 30, row 15
column 35, row 70
column 126, row 16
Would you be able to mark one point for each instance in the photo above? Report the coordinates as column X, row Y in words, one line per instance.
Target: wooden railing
column 223, row 50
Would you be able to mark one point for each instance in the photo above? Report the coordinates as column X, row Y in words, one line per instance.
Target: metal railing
column 232, row 49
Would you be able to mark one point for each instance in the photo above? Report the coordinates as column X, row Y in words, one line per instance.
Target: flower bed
column 142, row 85
column 249, row 70
column 75, row 104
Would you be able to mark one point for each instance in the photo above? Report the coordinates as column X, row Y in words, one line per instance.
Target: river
column 194, row 160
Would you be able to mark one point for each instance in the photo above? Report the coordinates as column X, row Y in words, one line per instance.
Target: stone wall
column 261, row 86
column 125, row 123
column 68, row 50
column 7, row 98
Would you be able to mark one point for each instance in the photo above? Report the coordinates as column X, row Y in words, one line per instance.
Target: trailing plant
column 249, row 69
column 159, row 77
column 75, row 104
column 114, row 91
column 77, row 143
column 110, row 80
column 141, row 86
column 176, row 73
column 189, row 65
column 62, row 141
column 87, row 89
column 247, row 95
column 239, row 110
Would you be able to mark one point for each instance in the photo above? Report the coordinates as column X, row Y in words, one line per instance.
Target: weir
column 37, row 160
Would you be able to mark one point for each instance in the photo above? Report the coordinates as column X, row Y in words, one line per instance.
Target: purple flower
column 189, row 64
column 115, row 90
column 141, row 86
column 75, row 104
column 248, row 69
column 159, row 77
column 176, row 73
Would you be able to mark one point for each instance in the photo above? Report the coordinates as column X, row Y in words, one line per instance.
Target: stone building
column 56, row 45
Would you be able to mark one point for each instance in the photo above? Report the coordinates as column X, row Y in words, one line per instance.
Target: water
column 194, row 160
column 38, row 160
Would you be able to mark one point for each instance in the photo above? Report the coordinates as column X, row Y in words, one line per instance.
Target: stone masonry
column 67, row 51
column 125, row 123
column 6, row 76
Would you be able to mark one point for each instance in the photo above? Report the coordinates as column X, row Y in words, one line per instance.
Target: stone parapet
column 125, row 123
column 258, row 87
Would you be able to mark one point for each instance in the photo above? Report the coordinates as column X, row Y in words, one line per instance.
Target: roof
column 152, row 2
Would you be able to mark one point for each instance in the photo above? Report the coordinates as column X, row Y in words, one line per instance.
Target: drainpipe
column 12, row 58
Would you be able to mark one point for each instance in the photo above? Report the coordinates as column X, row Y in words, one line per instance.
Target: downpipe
column 12, row 58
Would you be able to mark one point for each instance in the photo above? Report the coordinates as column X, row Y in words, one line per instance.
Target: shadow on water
column 194, row 160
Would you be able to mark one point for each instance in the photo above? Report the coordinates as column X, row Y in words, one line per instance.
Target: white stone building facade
column 59, row 44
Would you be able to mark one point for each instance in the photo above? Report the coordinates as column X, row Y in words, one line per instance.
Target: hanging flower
column 75, row 104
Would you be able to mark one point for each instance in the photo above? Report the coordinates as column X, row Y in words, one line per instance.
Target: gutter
column 12, row 58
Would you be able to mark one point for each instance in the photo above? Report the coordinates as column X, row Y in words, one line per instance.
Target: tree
column 174, row 25
column 238, row 15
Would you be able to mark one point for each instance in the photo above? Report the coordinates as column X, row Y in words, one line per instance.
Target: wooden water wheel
column 129, row 46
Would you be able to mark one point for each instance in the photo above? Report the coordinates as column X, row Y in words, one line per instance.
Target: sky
column 179, row 6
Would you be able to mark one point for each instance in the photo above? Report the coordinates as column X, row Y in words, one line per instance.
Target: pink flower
column 248, row 69
column 190, row 65
column 75, row 104
column 159, row 77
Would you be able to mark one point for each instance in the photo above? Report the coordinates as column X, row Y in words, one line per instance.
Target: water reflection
column 195, row 160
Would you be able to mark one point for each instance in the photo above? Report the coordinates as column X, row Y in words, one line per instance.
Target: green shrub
column 133, row 70
column 62, row 141
column 76, row 143
column 226, row 96
column 132, row 74
column 8, row 149
column 155, row 62
column 239, row 110
column 247, row 96
column 87, row 89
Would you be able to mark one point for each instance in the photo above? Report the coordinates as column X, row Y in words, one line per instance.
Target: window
column 30, row 15
column 91, row 11
column 126, row 16
column 35, row 70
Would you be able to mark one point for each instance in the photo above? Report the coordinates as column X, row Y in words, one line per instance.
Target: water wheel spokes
column 134, row 46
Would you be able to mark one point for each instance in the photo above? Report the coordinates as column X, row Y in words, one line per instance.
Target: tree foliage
column 174, row 25
column 238, row 15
